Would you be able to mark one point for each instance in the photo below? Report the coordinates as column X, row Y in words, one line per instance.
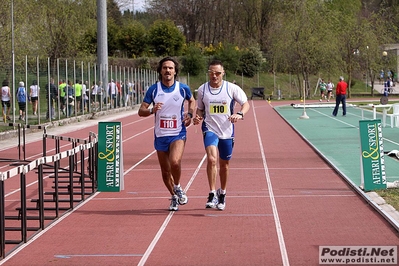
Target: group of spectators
column 68, row 97
column 22, row 97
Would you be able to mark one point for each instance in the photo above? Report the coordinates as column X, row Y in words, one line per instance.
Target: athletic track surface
column 283, row 202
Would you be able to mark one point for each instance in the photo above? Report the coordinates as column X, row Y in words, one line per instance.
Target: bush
column 230, row 55
column 250, row 62
column 193, row 61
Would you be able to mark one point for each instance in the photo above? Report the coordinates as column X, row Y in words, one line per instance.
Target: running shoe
column 222, row 200
column 182, row 196
column 174, row 203
column 212, row 201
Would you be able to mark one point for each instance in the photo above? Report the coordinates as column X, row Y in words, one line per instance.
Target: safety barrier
column 74, row 178
column 21, row 135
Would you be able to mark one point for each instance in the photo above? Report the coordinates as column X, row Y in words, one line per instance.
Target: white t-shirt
column 330, row 86
column 218, row 104
column 34, row 91
column 5, row 93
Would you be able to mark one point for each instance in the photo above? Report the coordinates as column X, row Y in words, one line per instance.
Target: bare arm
column 240, row 114
column 189, row 115
column 144, row 110
column 199, row 115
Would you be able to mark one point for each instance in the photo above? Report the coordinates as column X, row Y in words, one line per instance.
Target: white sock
column 176, row 186
column 213, row 191
column 222, row 191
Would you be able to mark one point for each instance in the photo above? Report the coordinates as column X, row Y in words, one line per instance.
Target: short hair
column 215, row 62
column 168, row 58
column 5, row 83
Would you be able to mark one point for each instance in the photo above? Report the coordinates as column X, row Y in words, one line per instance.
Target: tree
column 165, row 38
column 133, row 39
column 193, row 60
column 251, row 61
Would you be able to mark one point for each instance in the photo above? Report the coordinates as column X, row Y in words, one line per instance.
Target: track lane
column 315, row 207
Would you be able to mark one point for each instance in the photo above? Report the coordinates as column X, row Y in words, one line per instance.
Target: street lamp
column 384, row 56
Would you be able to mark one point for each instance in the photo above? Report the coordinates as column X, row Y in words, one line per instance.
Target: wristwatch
column 240, row 113
column 190, row 115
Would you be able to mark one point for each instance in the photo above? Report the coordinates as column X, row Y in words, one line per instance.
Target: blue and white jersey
column 218, row 106
column 168, row 120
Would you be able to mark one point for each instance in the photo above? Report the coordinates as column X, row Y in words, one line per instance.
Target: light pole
column 385, row 78
column 13, row 59
column 367, row 65
column 384, row 56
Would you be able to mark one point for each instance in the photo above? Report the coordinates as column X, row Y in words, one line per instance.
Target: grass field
column 391, row 196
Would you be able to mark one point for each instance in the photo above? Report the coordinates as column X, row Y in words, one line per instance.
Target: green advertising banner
column 110, row 157
column 372, row 155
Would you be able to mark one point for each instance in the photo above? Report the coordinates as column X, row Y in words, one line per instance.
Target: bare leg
column 175, row 156
column 163, row 158
column 170, row 163
column 224, row 173
column 211, row 167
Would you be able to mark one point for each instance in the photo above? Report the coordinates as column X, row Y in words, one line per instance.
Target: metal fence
column 80, row 87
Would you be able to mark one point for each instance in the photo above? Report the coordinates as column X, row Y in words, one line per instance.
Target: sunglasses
column 217, row 73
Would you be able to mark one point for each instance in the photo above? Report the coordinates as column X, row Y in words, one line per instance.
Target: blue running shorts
column 163, row 143
column 225, row 146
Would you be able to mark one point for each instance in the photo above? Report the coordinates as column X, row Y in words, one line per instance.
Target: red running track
column 283, row 202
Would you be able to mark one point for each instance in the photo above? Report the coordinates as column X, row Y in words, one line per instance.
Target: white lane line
column 277, row 223
column 30, row 241
column 68, row 256
column 238, row 197
column 168, row 218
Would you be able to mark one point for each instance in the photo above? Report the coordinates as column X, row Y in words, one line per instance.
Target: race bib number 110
column 218, row 109
column 168, row 124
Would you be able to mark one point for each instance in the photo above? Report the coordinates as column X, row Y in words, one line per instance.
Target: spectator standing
column 381, row 76
column 94, row 96
column 119, row 93
column 51, row 97
column 21, row 98
column 390, row 85
column 167, row 97
column 61, row 89
column 340, row 96
column 69, row 98
column 132, row 91
column 125, row 90
column 85, row 97
column 78, row 95
column 112, row 93
column 215, row 107
column 34, row 96
column 6, row 100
